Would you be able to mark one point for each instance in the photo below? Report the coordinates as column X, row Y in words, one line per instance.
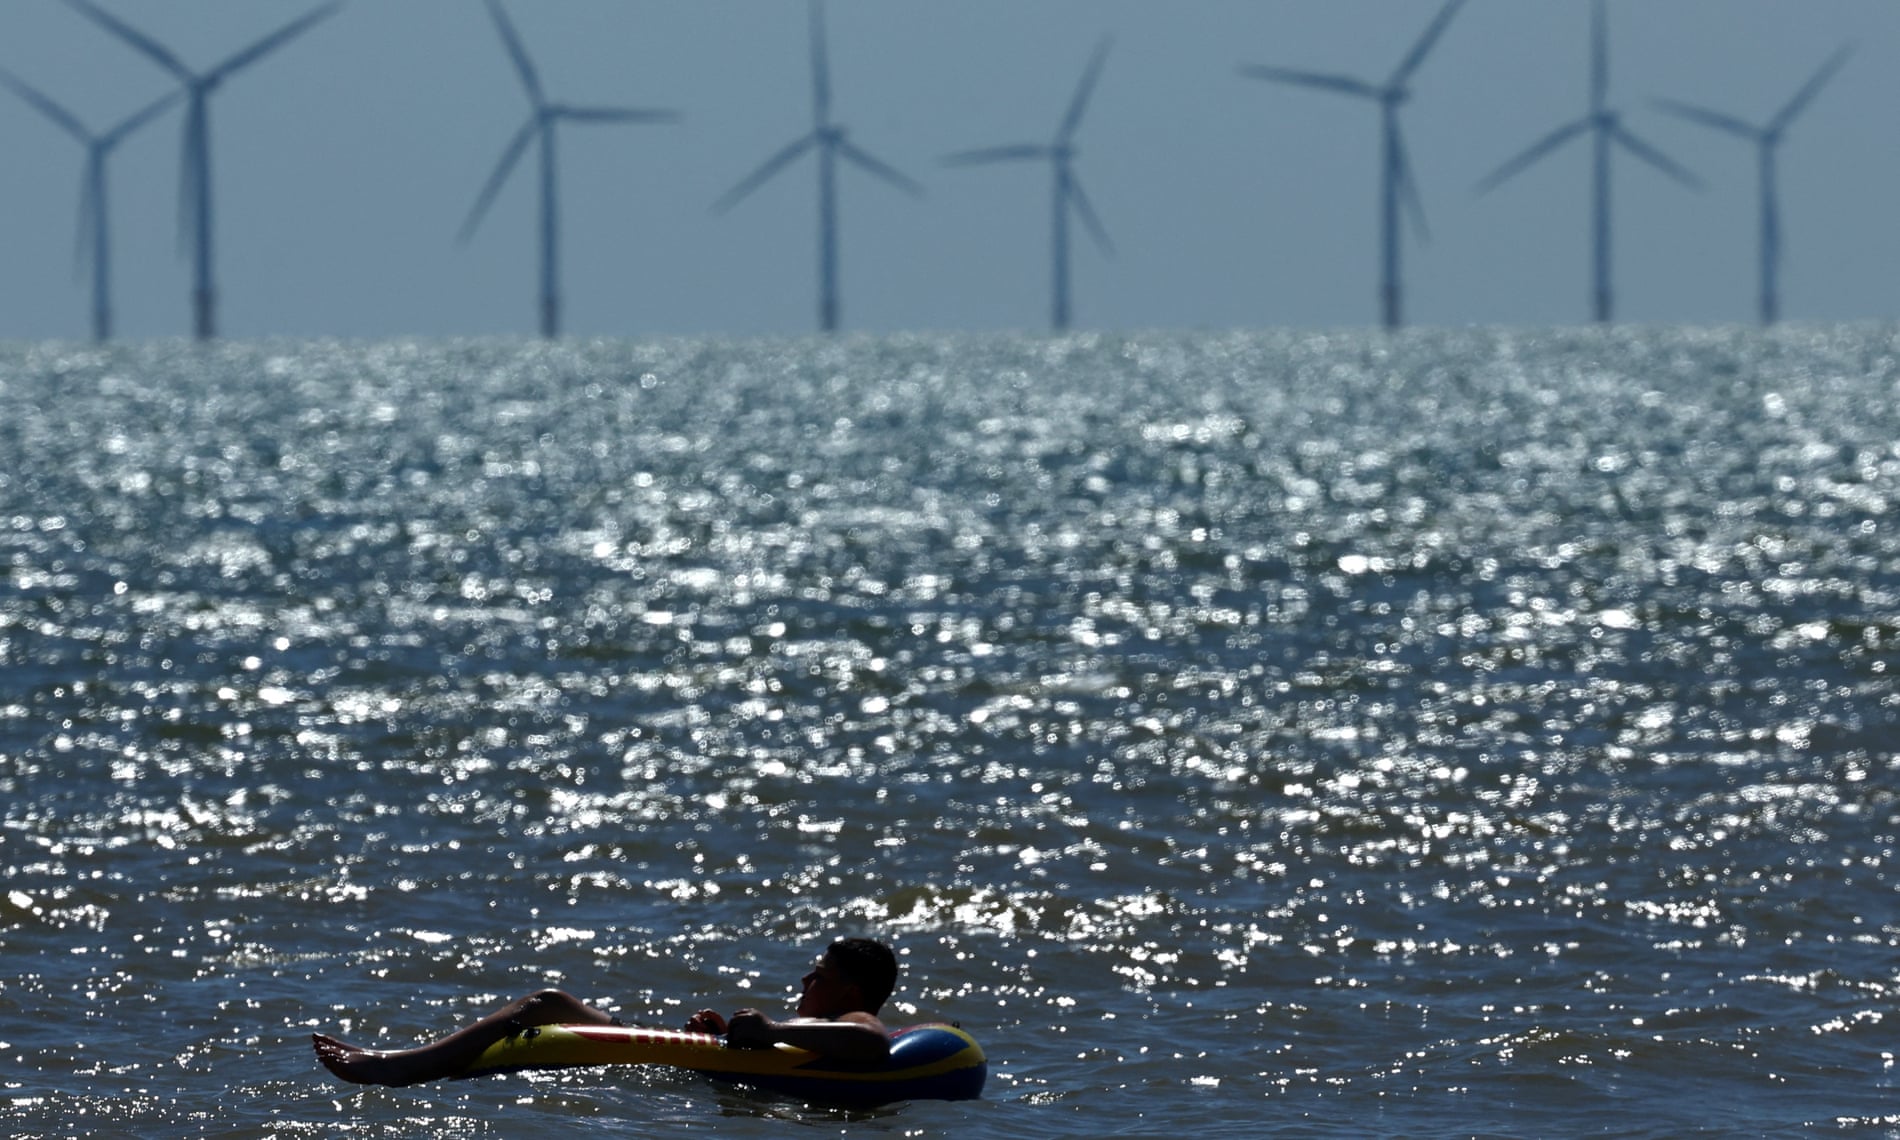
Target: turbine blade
column 1599, row 57
column 1708, row 118
column 765, row 171
column 820, row 67
column 1424, row 44
column 1079, row 199
column 883, row 170
column 516, row 147
column 272, row 42
column 1531, row 154
column 524, row 66
column 1343, row 84
column 614, row 115
column 1013, row 153
column 145, row 44
column 139, row 118
column 1655, row 158
column 1079, row 102
column 1408, row 189
column 1810, row 89
column 45, row 106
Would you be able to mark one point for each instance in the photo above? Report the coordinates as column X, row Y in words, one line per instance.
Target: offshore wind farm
column 1232, row 204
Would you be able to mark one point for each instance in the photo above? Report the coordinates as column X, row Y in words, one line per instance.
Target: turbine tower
column 1606, row 128
column 1396, row 182
column 1069, row 195
column 1766, row 139
column 831, row 143
column 542, row 119
column 195, row 204
column 94, row 232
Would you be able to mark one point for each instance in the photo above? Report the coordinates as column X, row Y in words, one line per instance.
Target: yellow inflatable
column 926, row 1062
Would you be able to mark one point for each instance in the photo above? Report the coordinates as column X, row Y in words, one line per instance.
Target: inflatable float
column 926, row 1062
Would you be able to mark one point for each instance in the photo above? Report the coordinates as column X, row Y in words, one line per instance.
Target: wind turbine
column 1396, row 181
column 1606, row 127
column 831, row 143
column 542, row 120
column 1069, row 195
column 1766, row 139
column 94, row 233
column 195, row 203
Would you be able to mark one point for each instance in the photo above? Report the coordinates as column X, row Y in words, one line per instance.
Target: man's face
column 826, row 993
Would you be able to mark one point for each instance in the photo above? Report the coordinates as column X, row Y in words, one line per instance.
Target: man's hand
column 750, row 1029
column 706, row 1021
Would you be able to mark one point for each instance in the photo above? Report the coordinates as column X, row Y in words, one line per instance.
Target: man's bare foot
column 359, row 1065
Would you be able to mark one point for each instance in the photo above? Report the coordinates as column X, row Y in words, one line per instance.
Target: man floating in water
column 836, row 1016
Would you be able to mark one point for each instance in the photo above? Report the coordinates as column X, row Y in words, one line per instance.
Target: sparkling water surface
column 1456, row 733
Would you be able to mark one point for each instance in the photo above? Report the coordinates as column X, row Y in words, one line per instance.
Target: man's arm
column 853, row 1036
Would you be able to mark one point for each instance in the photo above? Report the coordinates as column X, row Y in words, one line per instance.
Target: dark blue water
column 1457, row 733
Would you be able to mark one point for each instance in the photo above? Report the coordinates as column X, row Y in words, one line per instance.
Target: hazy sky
column 344, row 165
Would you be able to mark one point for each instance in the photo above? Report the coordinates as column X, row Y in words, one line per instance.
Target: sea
column 1447, row 733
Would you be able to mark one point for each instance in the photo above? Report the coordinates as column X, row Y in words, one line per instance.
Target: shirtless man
column 836, row 1015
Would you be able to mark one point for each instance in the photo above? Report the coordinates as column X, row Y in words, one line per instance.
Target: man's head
column 855, row 975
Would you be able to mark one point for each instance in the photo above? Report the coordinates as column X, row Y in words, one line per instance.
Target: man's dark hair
column 868, row 964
